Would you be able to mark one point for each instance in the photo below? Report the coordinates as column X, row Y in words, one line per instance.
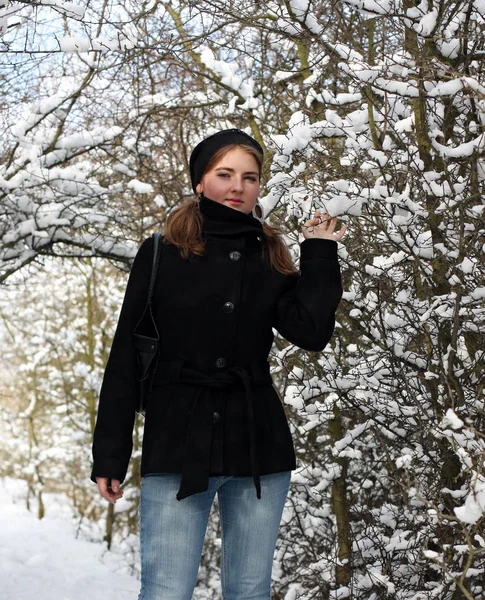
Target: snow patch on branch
column 139, row 187
column 372, row 8
column 70, row 9
column 462, row 150
column 474, row 508
column 451, row 419
column 229, row 77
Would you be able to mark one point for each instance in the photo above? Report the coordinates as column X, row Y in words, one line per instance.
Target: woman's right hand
column 109, row 489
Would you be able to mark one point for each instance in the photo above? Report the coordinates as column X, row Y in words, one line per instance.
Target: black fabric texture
column 215, row 314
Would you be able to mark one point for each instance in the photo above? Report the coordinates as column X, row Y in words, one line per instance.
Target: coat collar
column 221, row 220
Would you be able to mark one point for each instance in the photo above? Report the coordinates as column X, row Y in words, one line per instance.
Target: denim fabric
column 172, row 534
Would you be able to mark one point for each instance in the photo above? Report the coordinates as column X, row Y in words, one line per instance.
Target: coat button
column 216, row 417
column 228, row 307
column 220, row 363
column 235, row 255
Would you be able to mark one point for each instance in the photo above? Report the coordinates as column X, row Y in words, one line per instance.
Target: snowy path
column 42, row 560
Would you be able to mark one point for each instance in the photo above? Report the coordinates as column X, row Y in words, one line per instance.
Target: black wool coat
column 213, row 409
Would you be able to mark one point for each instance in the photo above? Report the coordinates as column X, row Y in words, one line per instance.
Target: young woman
column 214, row 423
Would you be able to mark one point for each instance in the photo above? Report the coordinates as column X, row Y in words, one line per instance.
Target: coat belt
column 195, row 470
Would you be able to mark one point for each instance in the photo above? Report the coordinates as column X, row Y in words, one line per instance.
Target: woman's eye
column 252, row 178
column 223, row 174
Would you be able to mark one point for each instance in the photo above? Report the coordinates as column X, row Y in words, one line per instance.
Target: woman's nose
column 237, row 183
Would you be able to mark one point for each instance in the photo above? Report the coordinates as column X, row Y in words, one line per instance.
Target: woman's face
column 233, row 181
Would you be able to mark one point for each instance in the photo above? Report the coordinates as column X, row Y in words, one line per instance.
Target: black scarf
column 222, row 220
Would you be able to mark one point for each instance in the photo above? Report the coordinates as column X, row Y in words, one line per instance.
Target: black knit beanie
column 203, row 152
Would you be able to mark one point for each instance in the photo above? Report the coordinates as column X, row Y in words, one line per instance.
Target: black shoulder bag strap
column 145, row 335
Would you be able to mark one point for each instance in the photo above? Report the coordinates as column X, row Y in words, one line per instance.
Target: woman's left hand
column 323, row 227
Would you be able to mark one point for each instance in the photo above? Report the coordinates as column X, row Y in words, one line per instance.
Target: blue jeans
column 172, row 533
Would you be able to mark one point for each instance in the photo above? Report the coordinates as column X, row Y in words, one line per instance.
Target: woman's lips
column 234, row 201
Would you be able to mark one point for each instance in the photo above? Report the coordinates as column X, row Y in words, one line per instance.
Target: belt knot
column 195, row 471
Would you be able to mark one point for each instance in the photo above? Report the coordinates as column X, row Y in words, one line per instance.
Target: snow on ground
column 43, row 560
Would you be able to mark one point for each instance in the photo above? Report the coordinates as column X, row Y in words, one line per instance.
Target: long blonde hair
column 183, row 227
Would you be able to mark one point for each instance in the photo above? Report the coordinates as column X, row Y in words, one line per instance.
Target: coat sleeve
column 113, row 433
column 305, row 311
